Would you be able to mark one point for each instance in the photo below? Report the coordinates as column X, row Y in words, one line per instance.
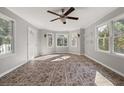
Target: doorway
column 32, row 43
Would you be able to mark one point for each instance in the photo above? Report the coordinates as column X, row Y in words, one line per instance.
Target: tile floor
column 62, row 70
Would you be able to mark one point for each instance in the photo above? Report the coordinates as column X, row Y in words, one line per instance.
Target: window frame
column 112, row 21
column 52, row 40
column 67, row 39
column 74, row 34
column 13, row 51
column 111, row 45
column 97, row 38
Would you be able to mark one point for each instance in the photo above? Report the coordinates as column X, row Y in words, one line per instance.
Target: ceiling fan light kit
column 64, row 15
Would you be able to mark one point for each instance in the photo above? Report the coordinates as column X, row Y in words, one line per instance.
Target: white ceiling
column 39, row 17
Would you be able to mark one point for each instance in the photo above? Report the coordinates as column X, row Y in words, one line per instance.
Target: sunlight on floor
column 45, row 57
column 61, row 58
column 100, row 80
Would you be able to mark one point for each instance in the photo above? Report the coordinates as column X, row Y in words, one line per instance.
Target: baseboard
column 121, row 74
column 75, row 53
column 6, row 72
column 61, row 53
column 43, row 54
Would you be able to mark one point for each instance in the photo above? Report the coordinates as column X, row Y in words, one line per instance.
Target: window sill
column 61, row 46
column 50, row 46
column 118, row 54
column 111, row 54
column 108, row 52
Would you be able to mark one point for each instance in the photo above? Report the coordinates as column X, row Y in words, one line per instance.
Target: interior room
column 61, row 46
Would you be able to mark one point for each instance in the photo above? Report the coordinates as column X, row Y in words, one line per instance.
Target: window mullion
column 111, row 38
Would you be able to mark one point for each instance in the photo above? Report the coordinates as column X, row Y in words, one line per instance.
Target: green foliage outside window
column 119, row 36
column 61, row 40
column 103, row 44
column 4, row 32
column 103, row 41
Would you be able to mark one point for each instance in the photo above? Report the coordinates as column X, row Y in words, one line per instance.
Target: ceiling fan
column 64, row 15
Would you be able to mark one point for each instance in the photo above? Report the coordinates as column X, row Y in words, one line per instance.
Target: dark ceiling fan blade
column 74, row 18
column 54, row 19
column 69, row 11
column 53, row 13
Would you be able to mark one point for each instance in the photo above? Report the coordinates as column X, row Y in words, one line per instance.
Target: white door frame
column 31, row 49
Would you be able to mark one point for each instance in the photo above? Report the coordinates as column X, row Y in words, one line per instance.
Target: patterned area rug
column 61, row 70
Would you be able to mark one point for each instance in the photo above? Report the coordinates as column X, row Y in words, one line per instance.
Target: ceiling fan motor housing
column 64, row 22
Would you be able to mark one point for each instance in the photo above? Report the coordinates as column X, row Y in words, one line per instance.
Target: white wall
column 33, row 43
column 44, row 48
column 112, row 61
column 62, row 49
column 7, row 63
column 76, row 50
column 80, row 49
column 82, row 41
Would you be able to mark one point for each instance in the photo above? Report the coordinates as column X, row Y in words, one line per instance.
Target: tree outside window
column 118, row 27
column 62, row 40
column 103, row 37
column 6, row 36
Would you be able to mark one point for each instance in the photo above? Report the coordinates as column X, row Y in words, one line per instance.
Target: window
column 103, row 38
column 118, row 36
column 74, row 40
column 50, row 40
column 110, row 36
column 62, row 40
column 6, row 35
